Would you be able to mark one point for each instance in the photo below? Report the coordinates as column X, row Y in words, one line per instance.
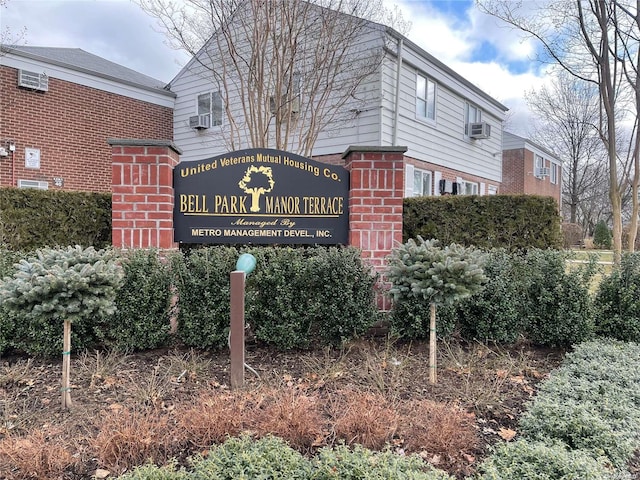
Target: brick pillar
column 142, row 187
column 375, row 204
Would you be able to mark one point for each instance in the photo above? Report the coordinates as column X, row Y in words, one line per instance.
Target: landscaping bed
column 172, row 403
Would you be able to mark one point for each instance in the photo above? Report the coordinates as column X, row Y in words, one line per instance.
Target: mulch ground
column 492, row 383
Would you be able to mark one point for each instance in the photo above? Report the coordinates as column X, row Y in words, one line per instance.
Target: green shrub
column 141, row 320
column 152, row 472
column 513, row 222
column 602, row 237
column 315, row 296
column 7, row 326
column 8, row 260
column 201, row 278
column 558, row 306
column 591, row 403
column 295, row 298
column 410, row 319
column 343, row 305
column 246, row 459
column 58, row 285
column 359, row 463
column 421, row 273
column 617, row 301
column 496, row 312
column 282, row 291
column 71, row 218
column 528, row 460
column 605, row 429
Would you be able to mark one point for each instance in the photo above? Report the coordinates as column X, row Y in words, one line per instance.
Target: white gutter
column 396, row 106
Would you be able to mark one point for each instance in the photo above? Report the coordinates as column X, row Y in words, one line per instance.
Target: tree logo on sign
column 257, row 181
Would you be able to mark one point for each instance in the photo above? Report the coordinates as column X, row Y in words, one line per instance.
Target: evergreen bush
column 558, row 305
column 421, row 273
column 310, row 297
column 513, row 222
column 141, row 319
column 591, row 403
column 531, row 460
column 359, row 463
column 245, row 458
column 8, row 318
column 584, row 425
column 602, row 237
column 496, row 313
column 201, row 278
column 56, row 285
column 617, row 301
column 72, row 218
column 153, row 472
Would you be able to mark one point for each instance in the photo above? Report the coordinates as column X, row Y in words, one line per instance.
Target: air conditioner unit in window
column 33, row 80
column 479, row 130
column 199, row 121
column 33, row 184
column 542, row 172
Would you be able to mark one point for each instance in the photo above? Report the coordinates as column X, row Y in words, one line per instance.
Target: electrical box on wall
column 32, row 158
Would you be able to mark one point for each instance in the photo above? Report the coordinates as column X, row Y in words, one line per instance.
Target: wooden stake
column 433, row 374
column 66, row 366
column 236, row 335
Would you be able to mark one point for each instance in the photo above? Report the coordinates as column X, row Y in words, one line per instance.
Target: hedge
column 71, row 218
column 513, row 222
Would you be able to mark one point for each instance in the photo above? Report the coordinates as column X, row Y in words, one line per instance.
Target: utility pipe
column 396, row 107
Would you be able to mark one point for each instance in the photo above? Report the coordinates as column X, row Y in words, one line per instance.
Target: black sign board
column 260, row 196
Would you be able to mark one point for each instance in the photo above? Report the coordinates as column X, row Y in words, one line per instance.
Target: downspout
column 396, row 106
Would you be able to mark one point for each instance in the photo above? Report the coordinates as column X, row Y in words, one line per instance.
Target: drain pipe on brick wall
column 396, row 107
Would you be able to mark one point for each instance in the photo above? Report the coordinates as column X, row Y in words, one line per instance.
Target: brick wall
column 513, row 171
column 518, row 175
column 375, row 204
column 70, row 125
column 142, row 203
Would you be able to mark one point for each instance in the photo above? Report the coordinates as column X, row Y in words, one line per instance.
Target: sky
column 473, row 44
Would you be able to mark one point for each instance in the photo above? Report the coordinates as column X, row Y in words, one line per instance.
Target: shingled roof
column 81, row 61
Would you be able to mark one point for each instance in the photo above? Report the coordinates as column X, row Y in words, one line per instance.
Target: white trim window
column 210, row 104
column 538, row 164
column 472, row 114
column 554, row 173
column 425, row 98
column 422, row 183
column 468, row 188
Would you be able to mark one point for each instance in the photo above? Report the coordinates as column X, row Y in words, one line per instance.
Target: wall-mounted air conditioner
column 199, row 122
column 33, row 80
column 542, row 172
column 33, row 184
column 479, row 130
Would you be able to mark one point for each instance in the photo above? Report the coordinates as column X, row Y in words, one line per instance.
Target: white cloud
column 116, row 30
column 482, row 49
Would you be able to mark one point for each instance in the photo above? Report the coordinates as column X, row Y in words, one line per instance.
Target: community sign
column 260, row 196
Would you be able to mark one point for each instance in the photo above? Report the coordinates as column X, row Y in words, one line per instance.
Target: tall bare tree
column 628, row 32
column 566, row 119
column 585, row 38
column 296, row 67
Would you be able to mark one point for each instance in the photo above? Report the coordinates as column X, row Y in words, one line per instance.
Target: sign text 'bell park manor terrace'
column 261, row 196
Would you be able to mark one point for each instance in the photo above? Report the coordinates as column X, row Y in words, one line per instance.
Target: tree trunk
column 66, row 366
column 433, row 373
